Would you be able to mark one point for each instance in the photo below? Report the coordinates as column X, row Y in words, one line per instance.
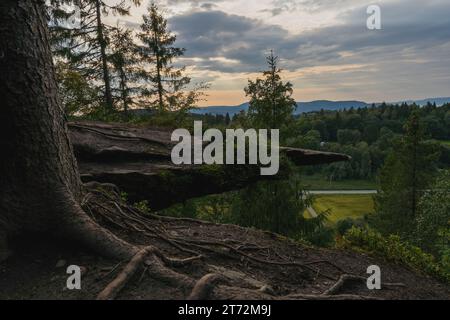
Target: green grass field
column 445, row 142
column 344, row 206
column 318, row 182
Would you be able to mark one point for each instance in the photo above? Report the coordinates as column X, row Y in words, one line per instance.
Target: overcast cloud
column 324, row 46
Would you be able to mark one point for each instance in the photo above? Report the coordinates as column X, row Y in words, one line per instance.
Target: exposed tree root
column 75, row 224
column 204, row 287
column 199, row 243
column 104, row 204
column 111, row 291
column 346, row 278
column 155, row 263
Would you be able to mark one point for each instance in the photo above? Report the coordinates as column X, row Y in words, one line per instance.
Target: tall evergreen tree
column 405, row 176
column 433, row 219
column 271, row 102
column 85, row 45
column 277, row 206
column 168, row 84
column 126, row 68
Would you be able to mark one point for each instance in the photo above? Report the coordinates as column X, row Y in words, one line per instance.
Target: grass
column 445, row 142
column 344, row 206
column 318, row 182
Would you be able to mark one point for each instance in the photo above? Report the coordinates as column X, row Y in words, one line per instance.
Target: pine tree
column 168, row 89
column 271, row 102
column 85, row 46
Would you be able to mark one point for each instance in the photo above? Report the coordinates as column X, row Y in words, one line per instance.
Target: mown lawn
column 318, row 182
column 344, row 206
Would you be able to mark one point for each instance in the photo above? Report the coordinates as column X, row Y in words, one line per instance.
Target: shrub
column 342, row 226
column 394, row 249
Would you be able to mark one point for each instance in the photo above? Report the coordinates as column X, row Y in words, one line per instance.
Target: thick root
column 154, row 262
column 157, row 270
column 76, row 225
column 111, row 291
column 204, row 287
column 108, row 207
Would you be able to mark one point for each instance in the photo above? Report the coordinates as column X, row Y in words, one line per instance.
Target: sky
column 325, row 48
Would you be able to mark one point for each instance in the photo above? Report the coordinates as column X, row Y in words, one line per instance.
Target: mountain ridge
column 316, row 105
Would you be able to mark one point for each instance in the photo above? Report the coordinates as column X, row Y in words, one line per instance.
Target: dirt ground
column 267, row 267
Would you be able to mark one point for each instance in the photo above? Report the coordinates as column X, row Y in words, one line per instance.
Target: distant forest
column 368, row 135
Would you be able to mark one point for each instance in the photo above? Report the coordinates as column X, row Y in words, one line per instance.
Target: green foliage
column 216, row 208
column 368, row 135
column 433, row 220
column 348, row 136
column 170, row 119
column 407, row 172
column 342, row 226
column 124, row 196
column 126, row 67
column 142, row 206
column 394, row 249
column 167, row 88
column 311, row 140
column 322, row 236
column 278, row 206
column 86, row 46
column 271, row 102
column 77, row 95
column 108, row 70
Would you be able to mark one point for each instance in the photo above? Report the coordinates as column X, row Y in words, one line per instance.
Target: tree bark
column 102, row 42
column 40, row 185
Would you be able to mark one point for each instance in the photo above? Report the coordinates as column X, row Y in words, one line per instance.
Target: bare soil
column 37, row 270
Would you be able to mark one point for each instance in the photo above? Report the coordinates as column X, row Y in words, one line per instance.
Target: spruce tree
column 277, row 206
column 126, row 68
column 86, row 44
column 168, row 90
column 404, row 177
column 271, row 102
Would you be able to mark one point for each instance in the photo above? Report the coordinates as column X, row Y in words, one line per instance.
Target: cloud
column 339, row 56
column 414, row 25
column 216, row 34
column 204, row 4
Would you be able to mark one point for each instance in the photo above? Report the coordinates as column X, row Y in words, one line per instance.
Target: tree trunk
column 123, row 89
column 158, row 66
column 102, row 43
column 40, row 186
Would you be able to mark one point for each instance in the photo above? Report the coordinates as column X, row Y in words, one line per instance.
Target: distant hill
column 312, row 106
column 302, row 107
